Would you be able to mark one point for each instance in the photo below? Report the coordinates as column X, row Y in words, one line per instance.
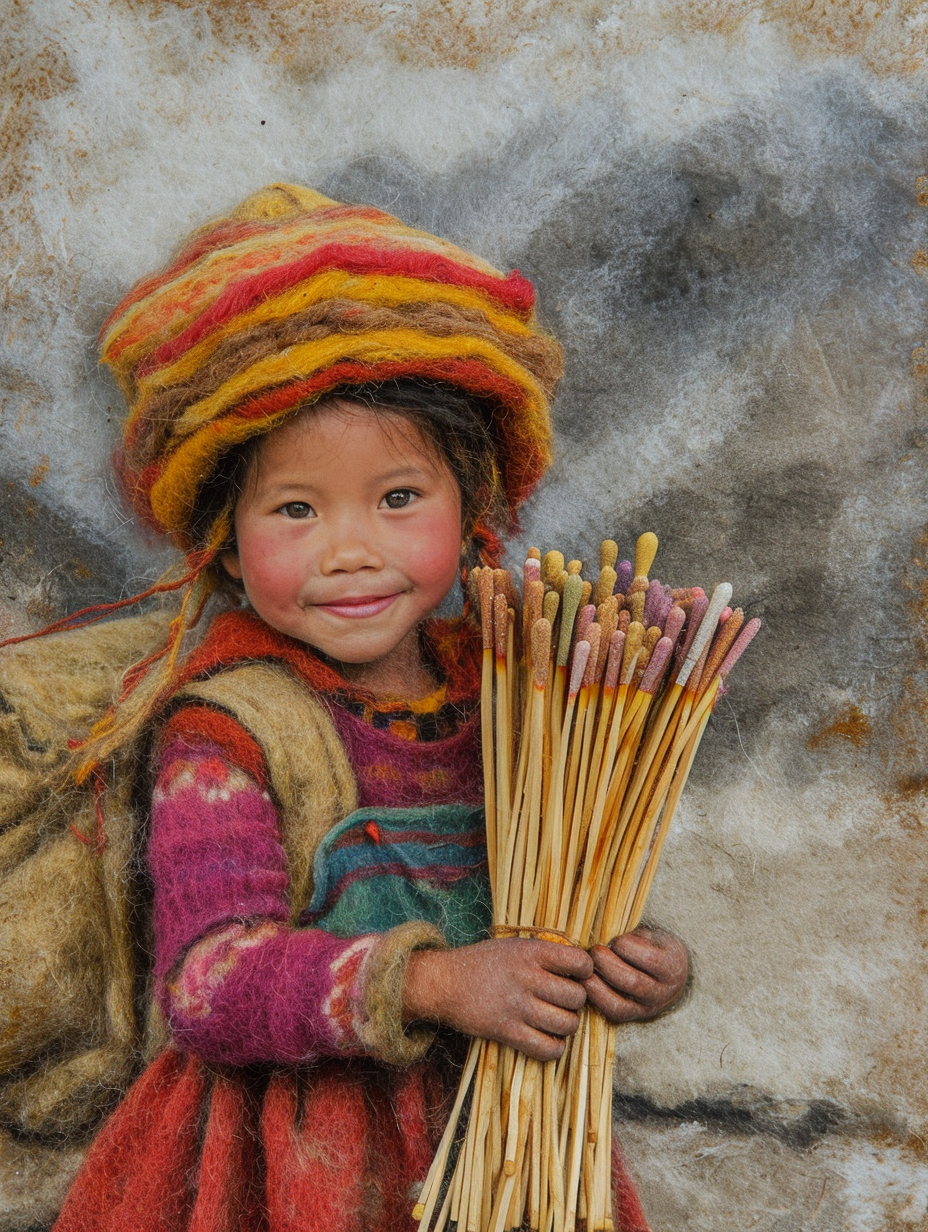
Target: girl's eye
column 399, row 498
column 296, row 509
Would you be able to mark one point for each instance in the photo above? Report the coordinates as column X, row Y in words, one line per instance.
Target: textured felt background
column 722, row 209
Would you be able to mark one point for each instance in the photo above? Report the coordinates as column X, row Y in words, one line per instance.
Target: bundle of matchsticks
column 594, row 699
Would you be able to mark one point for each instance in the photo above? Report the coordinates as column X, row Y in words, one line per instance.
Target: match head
column 550, row 605
column 551, row 566
column 541, row 651
column 578, row 664
column 654, row 672
column 608, row 554
column 745, row 637
column 614, row 660
column 485, row 592
column 645, row 551
column 500, row 625
column 573, row 593
column 633, row 640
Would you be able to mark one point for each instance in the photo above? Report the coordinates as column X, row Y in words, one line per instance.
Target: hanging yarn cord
column 147, row 684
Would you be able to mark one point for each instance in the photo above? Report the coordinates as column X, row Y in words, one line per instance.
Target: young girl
column 330, row 414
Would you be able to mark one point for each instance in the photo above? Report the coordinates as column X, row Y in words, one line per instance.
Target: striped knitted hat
column 291, row 296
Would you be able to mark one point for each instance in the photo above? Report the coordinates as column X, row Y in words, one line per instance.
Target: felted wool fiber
column 292, row 296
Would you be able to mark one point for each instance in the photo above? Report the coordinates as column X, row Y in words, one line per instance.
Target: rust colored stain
column 34, row 78
column 909, row 718
column 39, row 472
column 921, row 189
column 851, row 724
column 315, row 34
column 888, row 37
column 920, row 261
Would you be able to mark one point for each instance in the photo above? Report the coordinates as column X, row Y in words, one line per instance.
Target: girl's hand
column 637, row 976
column 517, row 991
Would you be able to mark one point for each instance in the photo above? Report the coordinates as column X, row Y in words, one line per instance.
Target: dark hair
column 454, row 422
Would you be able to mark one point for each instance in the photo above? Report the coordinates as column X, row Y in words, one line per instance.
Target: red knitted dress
column 285, row 1104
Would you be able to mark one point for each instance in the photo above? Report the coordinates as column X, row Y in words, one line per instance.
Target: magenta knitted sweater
column 236, row 982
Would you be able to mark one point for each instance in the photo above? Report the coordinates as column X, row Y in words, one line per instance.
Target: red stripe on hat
column 513, row 292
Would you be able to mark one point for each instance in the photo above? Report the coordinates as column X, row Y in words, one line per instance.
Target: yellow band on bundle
column 534, row 934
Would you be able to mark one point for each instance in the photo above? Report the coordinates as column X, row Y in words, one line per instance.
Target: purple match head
column 657, row 604
column 657, row 665
column 698, row 609
column 585, row 618
column 676, row 618
column 578, row 666
column 624, row 574
column 614, row 661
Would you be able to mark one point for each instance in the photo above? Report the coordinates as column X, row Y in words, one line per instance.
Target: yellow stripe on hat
column 380, row 290
column 171, row 307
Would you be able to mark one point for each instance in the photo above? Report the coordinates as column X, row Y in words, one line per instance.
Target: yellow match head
column 551, row 565
column 608, row 554
column 605, row 585
column 645, row 551
column 550, row 605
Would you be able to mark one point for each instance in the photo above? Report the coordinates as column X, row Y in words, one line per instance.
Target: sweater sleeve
column 237, row 982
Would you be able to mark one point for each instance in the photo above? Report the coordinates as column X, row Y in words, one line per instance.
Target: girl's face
column 348, row 533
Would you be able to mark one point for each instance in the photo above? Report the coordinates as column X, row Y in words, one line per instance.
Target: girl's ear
column 231, row 563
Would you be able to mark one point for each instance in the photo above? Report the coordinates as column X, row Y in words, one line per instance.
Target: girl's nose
column 348, row 549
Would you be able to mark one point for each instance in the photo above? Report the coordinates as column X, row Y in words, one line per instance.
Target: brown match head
column 607, row 618
column 741, row 644
column 485, row 592
column 593, row 636
column 608, row 554
column 722, row 643
column 587, row 593
column 541, row 651
column 645, row 551
column 533, row 554
column 500, row 625
column 635, row 601
column 534, row 598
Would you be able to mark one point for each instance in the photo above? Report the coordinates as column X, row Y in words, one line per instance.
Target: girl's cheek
column 437, row 550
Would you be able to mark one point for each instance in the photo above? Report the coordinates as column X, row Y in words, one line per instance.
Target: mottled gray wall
column 722, row 210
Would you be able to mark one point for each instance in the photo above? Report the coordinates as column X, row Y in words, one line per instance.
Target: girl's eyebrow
column 408, row 473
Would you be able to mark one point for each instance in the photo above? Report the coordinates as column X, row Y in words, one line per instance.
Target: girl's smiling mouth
column 360, row 607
